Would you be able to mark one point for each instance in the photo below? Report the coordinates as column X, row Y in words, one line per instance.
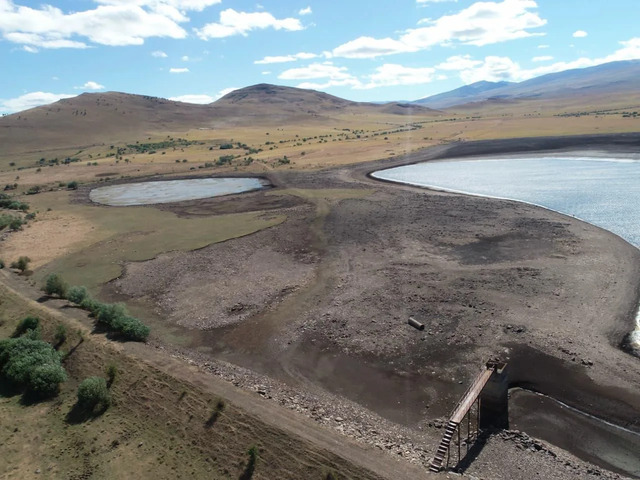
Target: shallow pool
column 169, row 191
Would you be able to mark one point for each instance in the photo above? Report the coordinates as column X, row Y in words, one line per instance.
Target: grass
column 114, row 236
column 155, row 427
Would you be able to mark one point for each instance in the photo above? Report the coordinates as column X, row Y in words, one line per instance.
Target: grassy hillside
column 158, row 426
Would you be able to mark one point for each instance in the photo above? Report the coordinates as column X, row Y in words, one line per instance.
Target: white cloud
column 195, row 98
column 580, row 34
column 241, row 23
column 114, row 23
column 266, row 72
column 458, row 62
column 286, row 58
column 31, row 100
column 543, row 58
column 90, row 86
column 225, row 91
column 197, row 5
column 435, row 1
column 336, row 76
column 178, row 70
column 159, row 54
column 29, row 49
column 185, row 58
column 494, row 68
column 543, row 46
column 347, row 82
column 316, row 70
column 480, row 24
column 393, row 74
column 305, row 11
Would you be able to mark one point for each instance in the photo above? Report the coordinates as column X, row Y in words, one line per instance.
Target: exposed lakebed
column 603, row 191
column 169, row 191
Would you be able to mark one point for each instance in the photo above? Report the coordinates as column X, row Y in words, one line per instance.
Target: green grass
column 134, row 234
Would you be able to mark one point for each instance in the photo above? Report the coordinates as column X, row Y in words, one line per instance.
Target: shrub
column 251, row 464
column 90, row 304
column 31, row 364
column 21, row 264
column 1, row 264
column 112, row 373
column 16, row 224
column 27, row 323
column 55, row 285
column 77, row 294
column 73, row 185
column 93, row 392
column 111, row 313
column 226, row 146
column 61, row 334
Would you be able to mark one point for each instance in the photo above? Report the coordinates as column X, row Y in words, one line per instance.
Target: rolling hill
column 95, row 118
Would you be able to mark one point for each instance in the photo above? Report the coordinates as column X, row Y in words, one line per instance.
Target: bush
column 77, row 294
column 31, row 364
column 27, row 323
column 110, row 314
column 112, row 373
column 73, row 185
column 90, row 304
column 1, row 264
column 55, row 285
column 61, row 334
column 21, row 264
column 93, row 392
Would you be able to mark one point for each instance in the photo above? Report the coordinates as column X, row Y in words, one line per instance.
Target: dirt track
column 324, row 297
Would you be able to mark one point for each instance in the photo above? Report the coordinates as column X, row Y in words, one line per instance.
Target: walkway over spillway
column 462, row 409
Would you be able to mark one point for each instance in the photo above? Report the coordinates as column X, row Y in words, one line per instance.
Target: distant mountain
column 468, row 93
column 615, row 78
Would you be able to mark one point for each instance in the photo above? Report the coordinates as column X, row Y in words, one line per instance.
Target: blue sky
column 196, row 50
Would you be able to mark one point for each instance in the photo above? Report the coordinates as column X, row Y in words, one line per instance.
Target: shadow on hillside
column 80, row 414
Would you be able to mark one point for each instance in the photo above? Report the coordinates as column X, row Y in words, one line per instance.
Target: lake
column 169, row 191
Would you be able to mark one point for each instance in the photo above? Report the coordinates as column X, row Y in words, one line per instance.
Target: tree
column 93, row 392
column 31, row 364
column 55, row 285
column 77, row 294
column 27, row 323
column 21, row 264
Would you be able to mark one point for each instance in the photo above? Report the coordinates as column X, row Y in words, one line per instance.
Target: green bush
column 21, row 264
column 61, row 334
column 112, row 373
column 90, row 304
column 27, row 323
column 110, row 314
column 31, row 364
column 93, row 392
column 1, row 264
column 55, row 285
column 77, row 295
column 72, row 185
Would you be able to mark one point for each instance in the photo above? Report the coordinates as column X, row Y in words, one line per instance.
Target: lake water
column 168, row 191
column 602, row 191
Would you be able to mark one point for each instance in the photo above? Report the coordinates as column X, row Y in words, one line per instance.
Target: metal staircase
column 443, row 448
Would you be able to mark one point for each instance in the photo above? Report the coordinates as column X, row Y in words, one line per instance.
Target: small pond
column 169, row 191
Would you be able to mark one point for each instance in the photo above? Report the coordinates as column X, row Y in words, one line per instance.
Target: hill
column 111, row 117
column 587, row 84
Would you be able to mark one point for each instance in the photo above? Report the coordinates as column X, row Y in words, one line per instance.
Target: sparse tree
column 21, row 264
column 55, row 285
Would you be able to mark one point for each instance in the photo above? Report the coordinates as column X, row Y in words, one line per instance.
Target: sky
column 370, row 50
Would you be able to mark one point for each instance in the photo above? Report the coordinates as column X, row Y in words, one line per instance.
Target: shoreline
column 631, row 341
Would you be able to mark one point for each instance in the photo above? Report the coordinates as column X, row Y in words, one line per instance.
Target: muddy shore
column 325, row 296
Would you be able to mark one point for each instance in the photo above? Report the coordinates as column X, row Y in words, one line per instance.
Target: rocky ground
column 313, row 312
